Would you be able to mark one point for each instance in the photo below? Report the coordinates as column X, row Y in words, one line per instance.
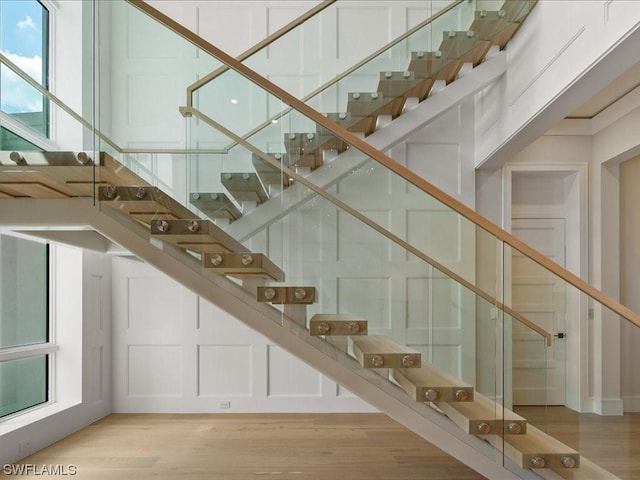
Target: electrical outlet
column 224, row 405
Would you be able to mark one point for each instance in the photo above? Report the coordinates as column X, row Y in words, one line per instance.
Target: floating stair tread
column 523, row 449
column 427, row 65
column 378, row 351
column 428, row 380
column 337, row 325
column 196, row 235
column 517, row 10
column 236, row 265
column 287, row 295
column 215, row 205
column 587, row 471
column 244, row 187
column 60, row 175
column 143, row 203
column 270, row 174
column 465, row 49
column 482, row 413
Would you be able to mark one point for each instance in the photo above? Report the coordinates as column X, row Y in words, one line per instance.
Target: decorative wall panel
column 224, row 370
column 282, row 368
column 154, row 371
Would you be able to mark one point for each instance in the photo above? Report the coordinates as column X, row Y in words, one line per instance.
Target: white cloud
column 27, row 23
column 17, row 95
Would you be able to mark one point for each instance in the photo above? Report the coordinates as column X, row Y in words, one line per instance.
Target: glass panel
column 23, row 286
column 375, row 245
column 147, row 79
column 393, row 73
column 24, row 40
column 11, row 141
column 347, row 35
column 23, row 383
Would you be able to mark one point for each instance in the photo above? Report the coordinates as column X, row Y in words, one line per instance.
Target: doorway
column 545, row 206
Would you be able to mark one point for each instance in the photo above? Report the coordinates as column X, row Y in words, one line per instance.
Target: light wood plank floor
column 237, row 446
column 611, row 442
column 308, row 446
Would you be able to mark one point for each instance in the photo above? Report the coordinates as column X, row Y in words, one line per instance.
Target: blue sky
column 21, row 42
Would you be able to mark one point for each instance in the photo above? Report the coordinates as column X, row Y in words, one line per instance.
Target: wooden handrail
column 258, row 46
column 364, row 219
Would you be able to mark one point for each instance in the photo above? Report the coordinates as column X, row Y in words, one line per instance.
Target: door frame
column 575, row 210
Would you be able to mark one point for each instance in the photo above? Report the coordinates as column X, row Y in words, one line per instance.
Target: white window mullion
column 15, row 353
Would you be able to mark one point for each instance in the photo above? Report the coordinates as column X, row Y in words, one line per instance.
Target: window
column 24, row 40
column 25, row 346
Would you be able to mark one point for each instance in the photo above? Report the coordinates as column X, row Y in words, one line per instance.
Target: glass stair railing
column 291, row 58
column 444, row 293
column 423, row 60
column 372, row 249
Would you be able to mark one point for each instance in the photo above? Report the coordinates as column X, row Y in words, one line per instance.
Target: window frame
column 17, row 127
column 48, row 348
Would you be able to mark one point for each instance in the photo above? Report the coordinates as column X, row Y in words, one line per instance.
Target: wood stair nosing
column 196, row 235
column 337, row 325
column 144, row 203
column 378, row 351
column 215, row 205
column 286, row 295
column 536, row 449
column 242, row 265
column 482, row 416
column 244, row 187
column 429, row 384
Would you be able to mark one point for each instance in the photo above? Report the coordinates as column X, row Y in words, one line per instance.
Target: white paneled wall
column 174, row 352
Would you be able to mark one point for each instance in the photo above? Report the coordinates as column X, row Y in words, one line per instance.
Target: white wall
column 175, row 352
column 81, row 318
column 563, row 54
column 630, row 279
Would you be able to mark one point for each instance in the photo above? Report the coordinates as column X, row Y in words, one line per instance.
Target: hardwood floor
column 611, row 442
column 247, row 446
column 307, row 446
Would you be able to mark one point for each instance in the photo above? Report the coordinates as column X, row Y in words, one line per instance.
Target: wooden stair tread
column 379, row 351
column 586, row 471
column 144, row 203
column 428, row 381
column 195, row 235
column 483, row 416
column 244, row 187
column 335, row 324
column 523, row 450
column 286, row 295
column 243, row 265
column 215, row 205
column 270, row 174
column 60, row 175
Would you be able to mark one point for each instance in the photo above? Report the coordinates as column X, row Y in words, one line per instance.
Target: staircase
column 216, row 264
column 396, row 92
column 63, row 175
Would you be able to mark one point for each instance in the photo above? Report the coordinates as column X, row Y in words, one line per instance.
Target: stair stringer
column 384, row 138
column 25, row 214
